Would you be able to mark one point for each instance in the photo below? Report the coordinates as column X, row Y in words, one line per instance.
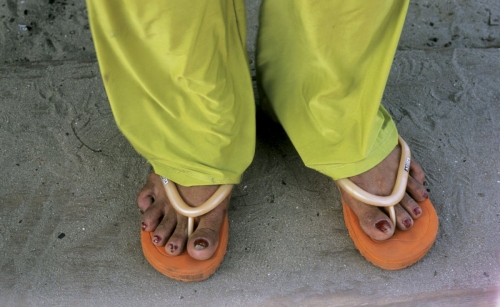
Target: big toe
column 204, row 241
column 375, row 223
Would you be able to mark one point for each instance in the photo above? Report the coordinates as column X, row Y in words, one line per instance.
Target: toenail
column 425, row 194
column 200, row 244
column 407, row 222
column 156, row 239
column 173, row 247
column 143, row 226
column 417, row 211
column 383, row 226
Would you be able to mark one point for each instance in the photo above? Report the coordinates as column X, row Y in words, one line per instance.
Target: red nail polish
column 173, row 247
column 156, row 239
column 417, row 211
column 143, row 226
column 407, row 223
column 425, row 195
column 383, row 226
column 200, row 244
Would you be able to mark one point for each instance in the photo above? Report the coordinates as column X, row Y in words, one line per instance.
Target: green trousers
column 178, row 81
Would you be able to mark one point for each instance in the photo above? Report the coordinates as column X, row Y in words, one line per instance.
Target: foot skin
column 380, row 181
column 170, row 228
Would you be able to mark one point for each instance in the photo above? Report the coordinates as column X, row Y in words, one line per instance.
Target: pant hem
column 381, row 150
column 192, row 178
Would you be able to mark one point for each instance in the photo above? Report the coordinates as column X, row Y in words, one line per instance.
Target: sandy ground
column 69, row 228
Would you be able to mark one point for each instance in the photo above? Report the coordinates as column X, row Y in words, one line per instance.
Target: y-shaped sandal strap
column 398, row 191
column 191, row 212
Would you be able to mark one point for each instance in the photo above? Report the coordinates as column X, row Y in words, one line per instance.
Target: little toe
column 417, row 172
column 151, row 201
column 146, row 197
column 416, row 190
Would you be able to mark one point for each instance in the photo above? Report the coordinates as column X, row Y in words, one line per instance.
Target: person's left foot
column 380, row 181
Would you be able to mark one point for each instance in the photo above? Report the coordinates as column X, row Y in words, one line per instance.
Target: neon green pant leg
column 323, row 66
column 177, row 77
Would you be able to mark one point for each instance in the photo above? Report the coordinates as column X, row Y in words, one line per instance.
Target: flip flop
column 404, row 248
column 183, row 267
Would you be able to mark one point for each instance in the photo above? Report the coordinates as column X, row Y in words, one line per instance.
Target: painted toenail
column 407, row 222
column 417, row 211
column 173, row 247
column 425, row 194
column 200, row 244
column 383, row 226
column 143, row 226
column 156, row 239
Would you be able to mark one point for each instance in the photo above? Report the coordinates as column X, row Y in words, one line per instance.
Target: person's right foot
column 380, row 181
column 170, row 227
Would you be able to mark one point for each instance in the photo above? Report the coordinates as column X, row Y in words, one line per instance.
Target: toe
column 177, row 242
column 204, row 241
column 170, row 228
column 163, row 230
column 379, row 181
column 416, row 190
column 378, row 227
column 403, row 219
column 411, row 206
column 375, row 223
column 152, row 217
column 417, row 172
column 415, row 186
column 146, row 196
column 152, row 201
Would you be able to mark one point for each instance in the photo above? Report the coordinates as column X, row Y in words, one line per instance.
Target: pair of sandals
column 403, row 249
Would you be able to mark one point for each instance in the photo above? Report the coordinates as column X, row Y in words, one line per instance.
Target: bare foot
column 380, row 181
column 170, row 228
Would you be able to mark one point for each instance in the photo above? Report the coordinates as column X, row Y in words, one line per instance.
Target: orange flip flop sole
column 404, row 248
column 183, row 267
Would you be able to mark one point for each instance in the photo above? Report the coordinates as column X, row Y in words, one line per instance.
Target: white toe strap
column 398, row 191
column 191, row 212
